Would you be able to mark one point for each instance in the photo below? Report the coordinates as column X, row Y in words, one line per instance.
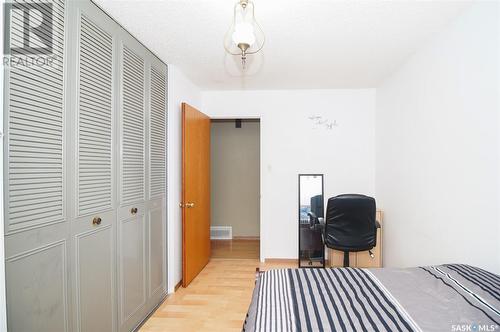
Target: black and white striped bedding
column 436, row 298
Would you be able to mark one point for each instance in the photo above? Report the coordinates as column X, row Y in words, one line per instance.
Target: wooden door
column 195, row 192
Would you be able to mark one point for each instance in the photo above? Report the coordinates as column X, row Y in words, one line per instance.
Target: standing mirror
column 311, row 220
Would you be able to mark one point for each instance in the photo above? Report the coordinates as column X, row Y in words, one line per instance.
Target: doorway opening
column 235, row 188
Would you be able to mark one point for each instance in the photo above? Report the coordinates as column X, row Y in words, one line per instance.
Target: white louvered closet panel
column 85, row 175
column 157, row 141
column 36, row 223
column 95, row 119
column 35, row 132
column 132, row 128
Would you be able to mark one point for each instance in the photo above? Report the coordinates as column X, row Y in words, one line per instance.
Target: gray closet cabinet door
column 157, row 181
column 132, row 269
column 157, row 131
column 94, row 274
column 36, row 279
column 132, row 234
column 93, row 228
column 35, row 118
column 132, row 120
column 36, row 240
column 95, row 117
column 85, row 141
column 156, row 229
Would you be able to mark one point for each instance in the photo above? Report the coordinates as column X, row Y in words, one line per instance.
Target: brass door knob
column 133, row 210
column 96, row 221
column 190, row 205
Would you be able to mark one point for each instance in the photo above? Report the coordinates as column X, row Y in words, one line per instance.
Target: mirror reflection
column 311, row 218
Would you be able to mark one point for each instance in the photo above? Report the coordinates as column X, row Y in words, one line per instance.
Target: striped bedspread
column 437, row 298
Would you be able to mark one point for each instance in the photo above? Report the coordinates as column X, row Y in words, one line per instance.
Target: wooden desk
column 361, row 258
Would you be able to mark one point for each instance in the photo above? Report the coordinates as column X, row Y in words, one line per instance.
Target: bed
column 452, row 297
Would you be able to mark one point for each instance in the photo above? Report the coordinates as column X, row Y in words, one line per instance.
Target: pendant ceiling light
column 245, row 36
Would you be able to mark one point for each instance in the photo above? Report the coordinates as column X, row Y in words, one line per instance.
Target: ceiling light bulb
column 243, row 34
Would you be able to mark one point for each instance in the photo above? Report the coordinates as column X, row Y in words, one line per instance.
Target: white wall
column 180, row 89
column 437, row 130
column 291, row 144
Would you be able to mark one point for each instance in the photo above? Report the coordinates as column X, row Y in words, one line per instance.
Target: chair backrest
column 350, row 223
column 317, row 206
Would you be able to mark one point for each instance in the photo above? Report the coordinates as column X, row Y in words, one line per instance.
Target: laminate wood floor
column 246, row 249
column 216, row 300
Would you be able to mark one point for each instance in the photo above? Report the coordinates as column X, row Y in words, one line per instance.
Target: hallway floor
column 241, row 249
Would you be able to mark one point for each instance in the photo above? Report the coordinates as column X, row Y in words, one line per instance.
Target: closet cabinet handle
column 133, row 210
column 96, row 221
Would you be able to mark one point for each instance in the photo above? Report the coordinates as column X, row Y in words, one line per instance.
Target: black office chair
column 350, row 224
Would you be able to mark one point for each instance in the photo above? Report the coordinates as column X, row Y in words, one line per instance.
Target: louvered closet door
column 132, row 238
column 157, row 132
column 95, row 118
column 132, row 120
column 93, row 229
column 156, row 225
column 35, row 128
column 36, row 240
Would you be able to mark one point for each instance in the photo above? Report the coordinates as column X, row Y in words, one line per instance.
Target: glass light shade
column 243, row 34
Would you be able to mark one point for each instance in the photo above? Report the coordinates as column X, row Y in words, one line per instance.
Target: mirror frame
column 298, row 228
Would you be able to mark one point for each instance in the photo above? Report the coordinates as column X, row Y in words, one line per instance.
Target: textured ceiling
column 309, row 43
